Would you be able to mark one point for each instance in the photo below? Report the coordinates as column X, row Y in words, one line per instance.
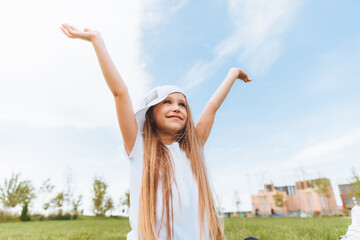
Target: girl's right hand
column 239, row 74
column 72, row 32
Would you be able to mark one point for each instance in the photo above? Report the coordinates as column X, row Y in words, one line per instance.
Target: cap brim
column 141, row 113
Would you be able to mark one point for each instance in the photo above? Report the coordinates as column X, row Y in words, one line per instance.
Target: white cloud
column 157, row 12
column 314, row 153
column 259, row 27
column 48, row 79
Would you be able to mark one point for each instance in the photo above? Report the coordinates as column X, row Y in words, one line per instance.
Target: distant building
column 300, row 198
column 345, row 194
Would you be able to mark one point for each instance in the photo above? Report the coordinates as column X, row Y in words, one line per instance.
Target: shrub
column 8, row 217
column 67, row 216
column 2, row 216
column 346, row 212
column 316, row 213
column 59, row 216
column 37, row 217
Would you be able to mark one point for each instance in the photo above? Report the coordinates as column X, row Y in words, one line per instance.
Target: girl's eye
column 182, row 104
column 166, row 101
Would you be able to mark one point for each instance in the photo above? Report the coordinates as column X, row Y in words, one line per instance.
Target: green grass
column 286, row 228
column 235, row 228
column 84, row 228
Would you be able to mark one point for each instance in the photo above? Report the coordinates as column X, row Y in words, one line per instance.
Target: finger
column 74, row 28
column 73, row 32
column 67, row 33
column 64, row 31
column 65, row 25
column 77, row 33
column 66, row 28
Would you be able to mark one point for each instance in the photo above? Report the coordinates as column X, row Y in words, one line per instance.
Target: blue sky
column 299, row 118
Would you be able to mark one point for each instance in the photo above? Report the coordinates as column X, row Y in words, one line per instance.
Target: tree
column 100, row 197
column 355, row 181
column 71, row 201
column 26, row 194
column 75, row 204
column 46, row 189
column 69, row 182
column 237, row 200
column 8, row 191
column 323, row 187
column 109, row 205
column 125, row 201
column 58, row 202
column 24, row 213
column 15, row 192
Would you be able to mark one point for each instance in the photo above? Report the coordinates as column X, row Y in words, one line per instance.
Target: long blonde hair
column 157, row 160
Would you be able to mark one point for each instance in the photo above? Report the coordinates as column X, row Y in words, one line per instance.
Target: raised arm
column 203, row 127
column 124, row 109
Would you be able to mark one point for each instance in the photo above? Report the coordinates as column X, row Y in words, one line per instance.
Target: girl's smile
column 175, row 117
column 170, row 115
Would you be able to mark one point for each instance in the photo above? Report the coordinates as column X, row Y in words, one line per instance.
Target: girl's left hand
column 240, row 74
column 72, row 32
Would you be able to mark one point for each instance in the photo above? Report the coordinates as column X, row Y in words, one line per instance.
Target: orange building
column 345, row 194
column 301, row 198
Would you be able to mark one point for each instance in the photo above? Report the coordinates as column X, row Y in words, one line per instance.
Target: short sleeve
column 136, row 147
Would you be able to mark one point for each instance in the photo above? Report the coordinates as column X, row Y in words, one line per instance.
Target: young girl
column 170, row 193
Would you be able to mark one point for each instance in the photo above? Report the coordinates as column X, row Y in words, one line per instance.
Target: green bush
column 8, row 217
column 2, row 216
column 337, row 215
column 346, row 212
column 316, row 213
column 59, row 216
column 37, row 217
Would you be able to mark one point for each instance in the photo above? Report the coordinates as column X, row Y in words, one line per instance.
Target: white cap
column 154, row 97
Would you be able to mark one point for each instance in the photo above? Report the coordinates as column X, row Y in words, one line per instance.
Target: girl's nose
column 176, row 109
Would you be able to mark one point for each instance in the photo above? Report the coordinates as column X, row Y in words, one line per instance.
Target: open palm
column 73, row 32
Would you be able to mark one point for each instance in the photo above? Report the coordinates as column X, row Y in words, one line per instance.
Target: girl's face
column 170, row 115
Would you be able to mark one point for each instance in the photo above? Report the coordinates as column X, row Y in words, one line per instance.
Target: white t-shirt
column 186, row 219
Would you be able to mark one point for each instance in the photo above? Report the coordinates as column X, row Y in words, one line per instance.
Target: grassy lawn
column 235, row 228
column 287, row 228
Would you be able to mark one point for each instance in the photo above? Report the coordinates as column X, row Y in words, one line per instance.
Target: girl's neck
column 166, row 138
